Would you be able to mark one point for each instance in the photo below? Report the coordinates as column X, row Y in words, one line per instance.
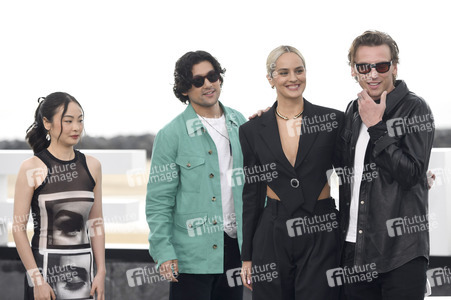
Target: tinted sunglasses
column 381, row 67
column 198, row 80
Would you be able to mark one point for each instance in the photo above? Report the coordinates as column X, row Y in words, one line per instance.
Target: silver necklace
column 230, row 145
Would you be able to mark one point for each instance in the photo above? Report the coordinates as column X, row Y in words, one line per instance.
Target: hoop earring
column 47, row 137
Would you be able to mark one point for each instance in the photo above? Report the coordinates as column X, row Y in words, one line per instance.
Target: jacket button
column 188, row 165
column 360, row 231
column 294, row 183
column 215, row 246
column 211, row 175
column 210, row 152
column 362, row 202
column 213, row 199
column 190, row 225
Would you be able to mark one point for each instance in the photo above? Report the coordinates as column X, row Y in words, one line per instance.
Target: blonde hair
column 276, row 53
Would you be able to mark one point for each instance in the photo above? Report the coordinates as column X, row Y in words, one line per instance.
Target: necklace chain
column 286, row 118
column 215, row 128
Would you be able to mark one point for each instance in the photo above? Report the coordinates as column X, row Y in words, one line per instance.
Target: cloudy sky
column 117, row 57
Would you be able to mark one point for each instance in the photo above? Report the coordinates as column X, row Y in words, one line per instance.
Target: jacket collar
column 270, row 134
column 393, row 98
column 194, row 124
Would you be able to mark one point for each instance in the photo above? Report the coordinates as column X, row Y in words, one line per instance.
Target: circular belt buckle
column 294, row 183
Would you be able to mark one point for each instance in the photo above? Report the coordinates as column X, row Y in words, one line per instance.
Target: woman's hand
column 98, row 286
column 43, row 291
column 246, row 274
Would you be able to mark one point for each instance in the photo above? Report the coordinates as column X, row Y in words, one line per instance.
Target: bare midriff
column 325, row 193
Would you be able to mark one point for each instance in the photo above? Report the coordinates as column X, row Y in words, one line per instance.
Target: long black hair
column 47, row 108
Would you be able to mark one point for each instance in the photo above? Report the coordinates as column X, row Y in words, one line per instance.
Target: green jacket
column 183, row 203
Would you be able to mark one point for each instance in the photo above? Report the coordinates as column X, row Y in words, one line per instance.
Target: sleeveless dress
column 61, row 243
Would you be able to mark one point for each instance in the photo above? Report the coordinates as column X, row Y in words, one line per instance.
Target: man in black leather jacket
column 387, row 141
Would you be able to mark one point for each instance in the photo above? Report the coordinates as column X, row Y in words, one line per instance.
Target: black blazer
column 265, row 163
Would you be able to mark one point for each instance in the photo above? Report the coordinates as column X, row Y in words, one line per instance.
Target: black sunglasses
column 198, row 80
column 381, row 67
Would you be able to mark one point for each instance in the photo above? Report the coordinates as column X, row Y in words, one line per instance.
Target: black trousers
column 302, row 247
column 211, row 286
column 406, row 282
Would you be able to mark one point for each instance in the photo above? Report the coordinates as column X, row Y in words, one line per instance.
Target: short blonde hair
column 276, row 53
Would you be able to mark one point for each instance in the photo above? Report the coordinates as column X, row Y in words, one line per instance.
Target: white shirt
column 218, row 131
column 359, row 161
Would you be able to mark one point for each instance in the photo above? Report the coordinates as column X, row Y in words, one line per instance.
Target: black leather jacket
column 392, row 226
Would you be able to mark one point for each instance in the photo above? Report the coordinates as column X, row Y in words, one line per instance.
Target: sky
column 117, row 57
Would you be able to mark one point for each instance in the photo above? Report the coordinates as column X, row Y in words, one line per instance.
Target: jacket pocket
column 188, row 229
column 191, row 172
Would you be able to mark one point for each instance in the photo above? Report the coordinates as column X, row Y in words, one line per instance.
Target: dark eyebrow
column 70, row 116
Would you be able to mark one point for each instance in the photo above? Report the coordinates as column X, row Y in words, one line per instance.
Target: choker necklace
column 286, row 118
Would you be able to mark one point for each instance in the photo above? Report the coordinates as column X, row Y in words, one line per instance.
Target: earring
column 47, row 137
column 272, row 87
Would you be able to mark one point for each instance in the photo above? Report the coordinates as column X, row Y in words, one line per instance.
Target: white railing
column 133, row 164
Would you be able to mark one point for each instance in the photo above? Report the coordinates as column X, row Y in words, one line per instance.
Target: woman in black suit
column 291, row 241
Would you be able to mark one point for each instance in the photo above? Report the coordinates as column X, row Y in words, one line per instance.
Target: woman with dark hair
column 63, row 188
column 290, row 224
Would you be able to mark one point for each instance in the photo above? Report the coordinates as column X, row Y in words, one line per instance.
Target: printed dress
column 61, row 242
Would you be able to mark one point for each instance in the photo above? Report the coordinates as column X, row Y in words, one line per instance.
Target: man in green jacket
column 194, row 194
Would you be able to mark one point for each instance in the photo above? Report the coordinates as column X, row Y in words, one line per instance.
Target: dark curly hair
column 183, row 71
